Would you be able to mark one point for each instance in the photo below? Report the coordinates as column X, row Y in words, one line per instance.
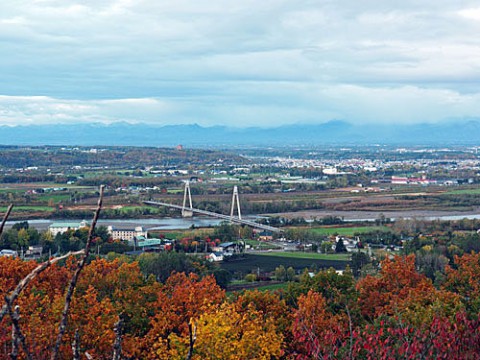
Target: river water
column 149, row 224
column 186, row 223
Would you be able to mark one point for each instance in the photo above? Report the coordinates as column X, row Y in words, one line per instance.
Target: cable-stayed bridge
column 190, row 210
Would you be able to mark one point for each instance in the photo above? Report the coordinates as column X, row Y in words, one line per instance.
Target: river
column 149, row 224
column 198, row 222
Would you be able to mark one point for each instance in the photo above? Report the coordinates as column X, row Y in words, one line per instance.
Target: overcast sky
column 239, row 63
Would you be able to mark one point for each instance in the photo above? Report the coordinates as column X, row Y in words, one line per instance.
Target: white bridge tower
column 235, row 198
column 187, row 212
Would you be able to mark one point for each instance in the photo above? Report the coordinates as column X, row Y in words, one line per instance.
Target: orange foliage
column 465, row 280
column 315, row 330
column 181, row 299
column 400, row 289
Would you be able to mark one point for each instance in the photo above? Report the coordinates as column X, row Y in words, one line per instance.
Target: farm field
column 348, row 231
column 242, row 286
column 264, row 263
column 272, row 287
column 475, row 191
column 307, row 255
column 27, row 208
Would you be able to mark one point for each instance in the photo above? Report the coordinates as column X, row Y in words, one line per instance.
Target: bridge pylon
column 237, row 200
column 187, row 212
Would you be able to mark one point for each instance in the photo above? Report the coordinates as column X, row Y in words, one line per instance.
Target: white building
column 58, row 228
column 126, row 233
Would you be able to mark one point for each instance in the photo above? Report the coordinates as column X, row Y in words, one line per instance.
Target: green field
column 348, row 231
column 175, row 191
column 266, row 263
column 137, row 207
column 55, row 197
column 307, row 255
column 27, row 208
column 272, row 287
column 475, row 191
column 10, row 190
column 236, row 287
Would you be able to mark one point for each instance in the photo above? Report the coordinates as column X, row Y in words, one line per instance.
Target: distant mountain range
column 333, row 132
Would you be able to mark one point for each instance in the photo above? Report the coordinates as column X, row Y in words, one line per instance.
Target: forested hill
column 18, row 157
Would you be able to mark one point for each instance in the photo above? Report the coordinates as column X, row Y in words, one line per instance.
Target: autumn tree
column 181, row 300
column 316, row 331
column 400, row 289
column 229, row 334
column 465, row 280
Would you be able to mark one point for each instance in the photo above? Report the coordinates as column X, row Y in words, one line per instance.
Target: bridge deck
column 220, row 216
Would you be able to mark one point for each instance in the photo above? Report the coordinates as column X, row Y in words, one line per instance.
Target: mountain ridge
column 333, row 132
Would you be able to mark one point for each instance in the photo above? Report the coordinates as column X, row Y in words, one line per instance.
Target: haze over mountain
column 333, row 132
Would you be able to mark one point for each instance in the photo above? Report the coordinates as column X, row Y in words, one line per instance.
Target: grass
column 475, row 191
column 137, row 207
column 10, row 190
column 348, row 231
column 307, row 255
column 175, row 191
column 272, row 287
column 27, row 208
column 265, row 263
column 54, row 197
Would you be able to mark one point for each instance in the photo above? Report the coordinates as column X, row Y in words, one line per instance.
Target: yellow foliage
column 427, row 248
column 229, row 335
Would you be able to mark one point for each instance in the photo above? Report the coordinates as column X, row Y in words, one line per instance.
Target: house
column 8, row 253
column 34, row 252
column 215, row 256
column 59, row 228
column 227, row 248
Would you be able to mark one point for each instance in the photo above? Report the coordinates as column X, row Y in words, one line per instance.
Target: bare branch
column 17, row 335
column 73, row 283
column 76, row 346
column 15, row 339
column 192, row 330
column 5, row 218
column 26, row 280
column 117, row 346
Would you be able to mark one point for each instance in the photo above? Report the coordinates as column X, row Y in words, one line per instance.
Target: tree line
column 188, row 316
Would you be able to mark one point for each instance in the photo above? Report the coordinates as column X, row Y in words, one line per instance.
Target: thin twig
column 192, row 330
column 73, row 283
column 5, row 217
column 76, row 346
column 26, row 280
column 117, row 345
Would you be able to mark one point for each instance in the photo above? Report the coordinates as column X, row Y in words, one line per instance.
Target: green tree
column 359, row 260
column 280, row 273
column 340, row 247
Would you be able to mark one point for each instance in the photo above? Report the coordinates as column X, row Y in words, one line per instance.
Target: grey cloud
column 230, row 61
